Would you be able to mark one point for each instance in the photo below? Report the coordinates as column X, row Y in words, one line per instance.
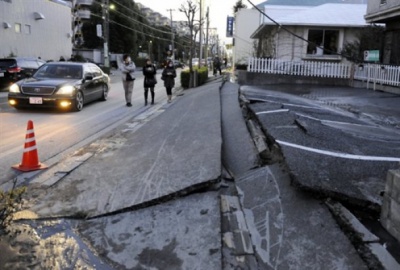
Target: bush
column 202, row 76
column 185, row 78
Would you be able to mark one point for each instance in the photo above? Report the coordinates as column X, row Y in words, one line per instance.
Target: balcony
column 84, row 2
column 84, row 14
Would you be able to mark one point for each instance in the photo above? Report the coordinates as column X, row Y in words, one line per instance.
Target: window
column 383, row 2
column 27, row 29
column 17, row 28
column 322, row 41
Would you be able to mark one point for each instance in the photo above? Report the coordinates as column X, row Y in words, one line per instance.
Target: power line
column 141, row 32
column 134, row 20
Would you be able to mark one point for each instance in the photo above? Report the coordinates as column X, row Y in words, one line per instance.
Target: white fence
column 300, row 68
column 374, row 73
column 370, row 73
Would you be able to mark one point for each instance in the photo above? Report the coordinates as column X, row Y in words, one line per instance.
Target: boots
column 145, row 97
column 169, row 98
column 152, row 97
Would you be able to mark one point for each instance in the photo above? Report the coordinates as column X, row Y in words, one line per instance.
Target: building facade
column 35, row 28
column 244, row 48
column 387, row 12
column 313, row 33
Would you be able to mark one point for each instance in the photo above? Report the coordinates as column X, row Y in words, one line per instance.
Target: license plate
column 1, row 74
column 35, row 100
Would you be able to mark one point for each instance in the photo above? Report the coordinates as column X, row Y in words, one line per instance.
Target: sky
column 219, row 10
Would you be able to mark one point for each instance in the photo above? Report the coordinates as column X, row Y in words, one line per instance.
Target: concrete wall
column 251, row 78
column 390, row 215
column 48, row 38
column 247, row 21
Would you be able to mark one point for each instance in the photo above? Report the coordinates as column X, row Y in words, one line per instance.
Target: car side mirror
column 28, row 74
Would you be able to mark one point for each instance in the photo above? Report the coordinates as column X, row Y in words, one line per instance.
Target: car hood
column 48, row 82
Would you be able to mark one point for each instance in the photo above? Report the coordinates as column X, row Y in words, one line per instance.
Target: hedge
column 202, row 76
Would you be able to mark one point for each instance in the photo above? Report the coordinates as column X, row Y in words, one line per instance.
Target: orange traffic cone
column 30, row 159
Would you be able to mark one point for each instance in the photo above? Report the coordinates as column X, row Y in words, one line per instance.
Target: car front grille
column 39, row 90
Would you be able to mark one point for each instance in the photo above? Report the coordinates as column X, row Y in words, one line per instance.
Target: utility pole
column 105, row 10
column 207, row 28
column 172, row 35
column 201, row 32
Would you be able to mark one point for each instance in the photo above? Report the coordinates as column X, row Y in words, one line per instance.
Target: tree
column 238, row 6
column 190, row 10
column 370, row 38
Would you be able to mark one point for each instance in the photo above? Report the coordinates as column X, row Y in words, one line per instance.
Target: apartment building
column 35, row 28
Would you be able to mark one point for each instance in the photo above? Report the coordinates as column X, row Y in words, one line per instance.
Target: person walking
column 149, row 72
column 217, row 66
column 168, row 76
column 128, row 69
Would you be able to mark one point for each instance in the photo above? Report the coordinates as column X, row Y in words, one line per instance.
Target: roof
column 308, row 2
column 280, row 11
column 339, row 15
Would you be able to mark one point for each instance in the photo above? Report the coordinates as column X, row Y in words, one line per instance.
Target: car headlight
column 66, row 90
column 14, row 88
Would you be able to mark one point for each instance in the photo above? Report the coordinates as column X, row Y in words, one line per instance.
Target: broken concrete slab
column 177, row 152
column 374, row 253
column 180, row 234
column 287, row 227
column 236, row 137
column 327, row 152
column 238, row 252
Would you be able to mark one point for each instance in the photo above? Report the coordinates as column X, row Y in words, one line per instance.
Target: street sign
column 99, row 30
column 371, row 56
column 229, row 26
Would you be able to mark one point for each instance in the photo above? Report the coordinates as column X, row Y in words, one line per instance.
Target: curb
column 367, row 244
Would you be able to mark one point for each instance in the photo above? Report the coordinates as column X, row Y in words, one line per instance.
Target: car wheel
column 78, row 103
column 105, row 93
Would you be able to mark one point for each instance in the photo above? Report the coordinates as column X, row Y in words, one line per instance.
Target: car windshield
column 59, row 72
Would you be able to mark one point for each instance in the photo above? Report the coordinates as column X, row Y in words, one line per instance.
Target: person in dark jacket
column 149, row 72
column 217, row 66
column 168, row 76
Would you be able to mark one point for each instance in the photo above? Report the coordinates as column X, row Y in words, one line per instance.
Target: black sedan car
column 17, row 68
column 67, row 85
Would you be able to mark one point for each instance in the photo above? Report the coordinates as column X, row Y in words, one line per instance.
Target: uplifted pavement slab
column 176, row 152
column 239, row 153
column 290, row 230
column 180, row 234
column 329, row 153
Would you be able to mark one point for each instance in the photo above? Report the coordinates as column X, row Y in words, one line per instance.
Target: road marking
column 338, row 154
column 274, row 111
column 302, row 106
